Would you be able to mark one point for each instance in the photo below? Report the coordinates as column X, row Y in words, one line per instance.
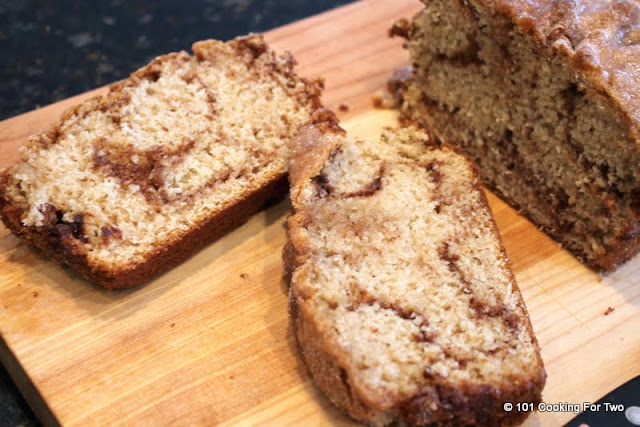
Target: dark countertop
column 56, row 49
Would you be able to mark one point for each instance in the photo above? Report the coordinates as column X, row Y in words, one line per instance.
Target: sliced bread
column 401, row 297
column 128, row 184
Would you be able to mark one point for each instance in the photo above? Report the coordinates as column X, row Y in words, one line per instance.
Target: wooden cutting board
column 210, row 343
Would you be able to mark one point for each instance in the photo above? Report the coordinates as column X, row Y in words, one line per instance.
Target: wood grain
column 209, row 342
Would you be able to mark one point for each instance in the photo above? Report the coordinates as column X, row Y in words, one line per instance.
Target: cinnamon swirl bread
column 128, row 184
column 401, row 295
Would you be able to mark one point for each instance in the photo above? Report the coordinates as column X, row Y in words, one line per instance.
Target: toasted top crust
column 600, row 38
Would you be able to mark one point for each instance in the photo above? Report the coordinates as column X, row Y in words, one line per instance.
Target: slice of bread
column 402, row 298
column 128, row 184
column 545, row 97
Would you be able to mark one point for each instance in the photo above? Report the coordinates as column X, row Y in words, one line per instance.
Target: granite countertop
column 57, row 49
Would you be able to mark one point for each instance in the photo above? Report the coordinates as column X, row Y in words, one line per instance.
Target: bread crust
column 59, row 244
column 438, row 402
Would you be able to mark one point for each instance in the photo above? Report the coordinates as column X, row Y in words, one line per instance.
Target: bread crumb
column 391, row 97
column 609, row 311
column 383, row 99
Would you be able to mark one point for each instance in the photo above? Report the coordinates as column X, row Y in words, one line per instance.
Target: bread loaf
column 401, row 295
column 545, row 96
column 128, row 184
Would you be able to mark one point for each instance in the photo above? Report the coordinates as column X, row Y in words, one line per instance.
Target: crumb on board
column 343, row 107
column 391, row 96
column 35, row 294
column 609, row 311
column 244, row 276
column 383, row 99
column 400, row 28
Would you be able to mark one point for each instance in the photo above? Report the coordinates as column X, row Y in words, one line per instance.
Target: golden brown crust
column 57, row 241
column 440, row 400
column 311, row 148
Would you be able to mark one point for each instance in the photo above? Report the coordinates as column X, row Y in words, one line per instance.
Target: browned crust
column 621, row 253
column 63, row 248
column 441, row 401
column 326, row 370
